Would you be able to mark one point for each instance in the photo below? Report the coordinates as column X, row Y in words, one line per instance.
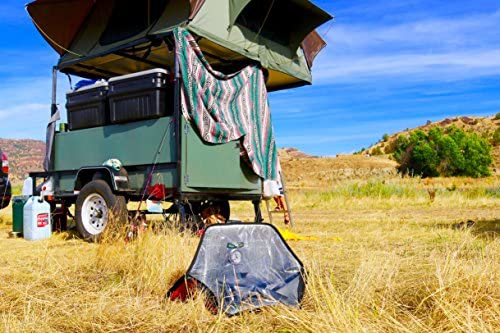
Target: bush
column 385, row 137
column 496, row 137
column 497, row 116
column 376, row 151
column 454, row 153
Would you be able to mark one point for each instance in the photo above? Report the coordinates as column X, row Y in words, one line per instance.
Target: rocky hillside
column 323, row 172
column 287, row 153
column 24, row 156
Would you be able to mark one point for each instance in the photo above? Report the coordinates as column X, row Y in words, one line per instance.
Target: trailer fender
column 117, row 180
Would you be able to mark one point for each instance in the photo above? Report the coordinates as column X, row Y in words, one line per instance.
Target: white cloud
column 440, row 33
column 433, row 67
column 23, row 110
column 427, row 50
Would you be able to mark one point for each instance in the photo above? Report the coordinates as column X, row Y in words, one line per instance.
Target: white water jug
column 36, row 219
column 28, row 187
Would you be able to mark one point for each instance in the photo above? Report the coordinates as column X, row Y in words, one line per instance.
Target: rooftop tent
column 268, row 31
column 105, row 38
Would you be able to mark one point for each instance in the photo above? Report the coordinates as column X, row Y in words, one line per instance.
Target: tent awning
column 60, row 21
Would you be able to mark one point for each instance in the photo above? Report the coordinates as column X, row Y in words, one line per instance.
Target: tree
column 424, row 160
column 438, row 153
column 450, row 158
column 477, row 156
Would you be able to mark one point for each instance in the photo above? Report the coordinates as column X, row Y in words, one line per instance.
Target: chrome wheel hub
column 94, row 214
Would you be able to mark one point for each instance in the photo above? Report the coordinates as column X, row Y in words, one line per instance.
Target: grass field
column 387, row 259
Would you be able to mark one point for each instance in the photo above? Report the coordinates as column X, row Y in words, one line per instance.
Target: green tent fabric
column 105, row 38
column 227, row 107
column 235, row 9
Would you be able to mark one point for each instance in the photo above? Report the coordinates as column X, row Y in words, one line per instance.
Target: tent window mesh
column 131, row 17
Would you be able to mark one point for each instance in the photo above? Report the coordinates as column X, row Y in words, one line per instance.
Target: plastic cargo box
column 87, row 106
column 142, row 95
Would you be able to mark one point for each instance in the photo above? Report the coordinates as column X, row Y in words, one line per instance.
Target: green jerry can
column 18, row 203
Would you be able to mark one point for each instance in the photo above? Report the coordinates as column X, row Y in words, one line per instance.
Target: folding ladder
column 287, row 209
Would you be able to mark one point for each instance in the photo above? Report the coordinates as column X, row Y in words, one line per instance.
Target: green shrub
column 454, row 153
column 497, row 116
column 376, row 151
column 496, row 137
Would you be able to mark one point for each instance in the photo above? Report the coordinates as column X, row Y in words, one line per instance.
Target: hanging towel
column 224, row 107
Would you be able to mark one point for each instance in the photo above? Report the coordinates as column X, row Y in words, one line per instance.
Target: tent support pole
column 177, row 114
column 53, row 106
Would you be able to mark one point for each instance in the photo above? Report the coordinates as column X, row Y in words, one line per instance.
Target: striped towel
column 225, row 108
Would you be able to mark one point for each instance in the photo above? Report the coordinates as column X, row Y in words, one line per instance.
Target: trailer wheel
column 95, row 205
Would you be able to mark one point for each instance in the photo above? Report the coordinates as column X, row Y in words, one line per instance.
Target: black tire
column 186, row 217
column 5, row 195
column 95, row 204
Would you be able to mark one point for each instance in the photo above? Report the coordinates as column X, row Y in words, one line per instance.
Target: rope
column 325, row 35
column 70, row 81
column 264, row 22
column 155, row 162
column 54, row 42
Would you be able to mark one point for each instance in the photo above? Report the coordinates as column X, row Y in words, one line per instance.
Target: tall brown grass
column 397, row 265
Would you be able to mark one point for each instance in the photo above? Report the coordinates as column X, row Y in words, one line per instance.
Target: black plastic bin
column 87, row 107
column 138, row 96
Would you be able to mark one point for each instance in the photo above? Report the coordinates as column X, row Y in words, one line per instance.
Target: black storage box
column 138, row 96
column 87, row 107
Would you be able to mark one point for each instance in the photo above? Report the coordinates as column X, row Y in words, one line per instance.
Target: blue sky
column 389, row 65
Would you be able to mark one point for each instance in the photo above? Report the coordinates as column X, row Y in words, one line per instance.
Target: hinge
column 186, row 179
column 186, row 128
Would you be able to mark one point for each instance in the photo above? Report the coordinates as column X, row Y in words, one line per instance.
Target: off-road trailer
column 163, row 159
column 161, row 156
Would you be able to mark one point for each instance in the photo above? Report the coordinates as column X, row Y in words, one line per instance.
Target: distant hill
column 483, row 126
column 287, row 153
column 25, row 155
column 326, row 171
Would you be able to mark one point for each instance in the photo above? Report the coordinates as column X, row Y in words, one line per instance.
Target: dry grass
column 387, row 260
